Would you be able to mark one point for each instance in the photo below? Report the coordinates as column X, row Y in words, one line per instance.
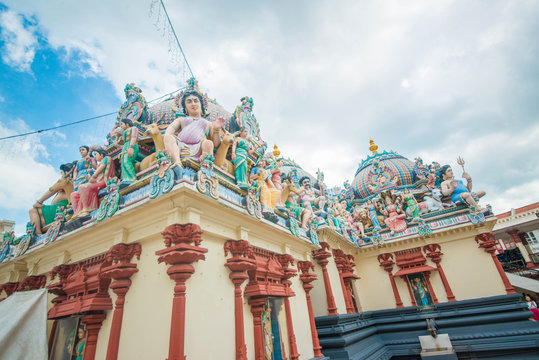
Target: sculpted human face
column 244, row 133
column 448, row 174
column 192, row 106
column 306, row 183
column 83, row 152
column 98, row 156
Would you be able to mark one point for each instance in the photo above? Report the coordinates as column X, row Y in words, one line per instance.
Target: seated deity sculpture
column 103, row 173
column 460, row 193
column 81, row 175
column 192, row 136
column 41, row 215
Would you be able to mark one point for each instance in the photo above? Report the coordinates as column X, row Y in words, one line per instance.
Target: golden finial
column 373, row 147
column 276, row 151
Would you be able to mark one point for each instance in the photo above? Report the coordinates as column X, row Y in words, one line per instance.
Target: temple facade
column 228, row 251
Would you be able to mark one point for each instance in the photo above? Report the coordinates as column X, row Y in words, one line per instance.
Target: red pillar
column 92, row 323
column 514, row 236
column 241, row 261
column 434, row 253
column 257, row 308
column 341, row 262
column 386, row 261
column 321, row 256
column 412, row 297
column 487, row 241
column 307, row 278
column 180, row 254
column 427, row 279
column 285, row 261
column 120, row 272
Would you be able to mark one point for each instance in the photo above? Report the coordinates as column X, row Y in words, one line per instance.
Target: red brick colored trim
column 488, row 242
column 180, row 254
column 321, row 256
column 386, row 261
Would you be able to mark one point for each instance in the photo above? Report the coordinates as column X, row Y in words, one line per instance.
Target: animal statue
column 220, row 154
column 154, row 132
column 434, row 202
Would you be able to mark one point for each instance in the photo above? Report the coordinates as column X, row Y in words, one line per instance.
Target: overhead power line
column 78, row 121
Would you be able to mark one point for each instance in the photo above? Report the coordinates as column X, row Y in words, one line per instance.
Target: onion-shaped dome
column 289, row 165
column 381, row 172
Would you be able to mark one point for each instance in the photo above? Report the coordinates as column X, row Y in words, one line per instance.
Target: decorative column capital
column 386, row 261
column 321, row 255
column 242, row 259
column 32, row 282
column 286, row 260
column 119, row 256
column 433, row 251
column 182, row 234
column 487, row 241
column 306, row 277
column 9, row 287
column 178, row 239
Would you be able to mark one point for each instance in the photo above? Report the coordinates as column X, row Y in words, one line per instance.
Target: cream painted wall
column 336, row 286
column 470, row 271
column 318, row 293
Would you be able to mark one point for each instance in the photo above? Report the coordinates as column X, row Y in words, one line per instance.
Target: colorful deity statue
column 262, row 173
column 319, row 184
column 361, row 215
column 129, row 151
column 347, row 191
column 289, row 196
column 240, row 154
column 192, row 136
column 309, row 196
column 81, row 175
column 261, row 176
column 412, row 206
column 134, row 107
column 431, row 178
column 380, row 177
column 372, row 207
column 460, row 193
column 89, row 191
column 42, row 215
column 420, row 170
column 395, row 217
column 244, row 118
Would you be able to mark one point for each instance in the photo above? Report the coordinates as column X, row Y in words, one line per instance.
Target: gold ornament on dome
column 276, row 151
column 373, row 147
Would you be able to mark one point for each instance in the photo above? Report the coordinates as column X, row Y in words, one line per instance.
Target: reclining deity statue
column 41, row 215
column 460, row 193
column 192, row 136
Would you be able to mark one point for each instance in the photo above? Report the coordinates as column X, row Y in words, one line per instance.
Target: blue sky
column 436, row 80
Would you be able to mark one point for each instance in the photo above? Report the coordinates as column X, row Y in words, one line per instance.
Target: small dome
column 381, row 172
column 289, row 164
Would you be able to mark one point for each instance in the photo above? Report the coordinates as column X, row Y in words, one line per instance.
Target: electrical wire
column 176, row 37
column 80, row 121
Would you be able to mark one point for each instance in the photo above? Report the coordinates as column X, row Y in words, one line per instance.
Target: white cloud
column 326, row 77
column 19, row 41
column 25, row 176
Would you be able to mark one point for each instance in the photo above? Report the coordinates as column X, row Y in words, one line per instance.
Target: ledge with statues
column 189, row 140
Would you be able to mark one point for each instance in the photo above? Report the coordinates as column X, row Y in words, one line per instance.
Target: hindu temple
column 185, row 235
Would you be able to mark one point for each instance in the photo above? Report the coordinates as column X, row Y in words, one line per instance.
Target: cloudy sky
column 431, row 79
